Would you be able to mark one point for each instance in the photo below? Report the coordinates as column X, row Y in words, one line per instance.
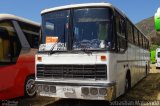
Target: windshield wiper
column 85, row 50
column 61, row 36
column 52, row 48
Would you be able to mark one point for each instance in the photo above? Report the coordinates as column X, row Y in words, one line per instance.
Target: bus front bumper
column 88, row 91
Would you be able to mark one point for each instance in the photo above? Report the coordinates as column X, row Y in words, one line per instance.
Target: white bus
column 89, row 51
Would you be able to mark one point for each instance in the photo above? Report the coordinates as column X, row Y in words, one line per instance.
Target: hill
column 147, row 27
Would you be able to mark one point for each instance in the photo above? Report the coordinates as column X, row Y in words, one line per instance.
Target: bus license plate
column 69, row 90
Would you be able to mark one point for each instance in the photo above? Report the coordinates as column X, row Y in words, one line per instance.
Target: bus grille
column 96, row 72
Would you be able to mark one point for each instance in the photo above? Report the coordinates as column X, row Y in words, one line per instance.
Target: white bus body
column 157, row 57
column 90, row 72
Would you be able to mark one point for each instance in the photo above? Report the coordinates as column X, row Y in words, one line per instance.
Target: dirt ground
column 147, row 89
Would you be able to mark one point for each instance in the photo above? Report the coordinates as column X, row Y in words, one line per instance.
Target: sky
column 136, row 10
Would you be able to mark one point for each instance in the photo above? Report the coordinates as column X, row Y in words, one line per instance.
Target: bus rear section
column 19, row 42
column 157, row 58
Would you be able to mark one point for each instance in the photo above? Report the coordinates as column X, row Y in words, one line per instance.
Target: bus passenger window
column 32, row 33
column 120, row 31
column 4, row 45
column 9, row 43
column 130, row 32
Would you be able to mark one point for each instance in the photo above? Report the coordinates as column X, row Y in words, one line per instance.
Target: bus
column 157, row 28
column 157, row 58
column 89, row 51
column 19, row 40
column 157, row 20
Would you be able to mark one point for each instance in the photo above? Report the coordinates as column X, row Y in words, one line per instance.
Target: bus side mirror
column 4, row 33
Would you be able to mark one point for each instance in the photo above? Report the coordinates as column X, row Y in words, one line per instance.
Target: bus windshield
column 92, row 28
column 83, row 28
column 55, row 25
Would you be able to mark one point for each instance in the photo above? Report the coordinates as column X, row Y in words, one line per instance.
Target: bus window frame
column 23, row 26
column 20, row 34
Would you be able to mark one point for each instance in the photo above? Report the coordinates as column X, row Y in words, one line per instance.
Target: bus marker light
column 39, row 58
column 103, row 58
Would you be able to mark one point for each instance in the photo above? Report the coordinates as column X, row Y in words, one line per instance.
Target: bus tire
column 29, row 87
column 127, row 82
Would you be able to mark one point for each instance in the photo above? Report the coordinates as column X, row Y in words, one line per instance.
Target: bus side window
column 120, row 31
column 130, row 32
column 9, row 43
column 4, row 45
column 31, row 33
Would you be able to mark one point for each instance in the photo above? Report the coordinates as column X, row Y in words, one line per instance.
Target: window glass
column 146, row 44
column 32, row 34
column 56, row 25
column 140, row 39
column 158, row 54
column 120, row 26
column 130, row 32
column 121, row 38
column 9, row 43
column 92, row 29
column 136, row 36
column 143, row 41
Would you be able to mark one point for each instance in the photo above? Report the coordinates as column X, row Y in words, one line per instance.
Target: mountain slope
column 147, row 27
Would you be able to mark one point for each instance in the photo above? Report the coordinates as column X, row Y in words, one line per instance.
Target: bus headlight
column 102, row 91
column 85, row 90
column 52, row 89
column 39, row 88
column 46, row 88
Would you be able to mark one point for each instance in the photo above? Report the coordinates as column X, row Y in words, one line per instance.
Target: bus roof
column 76, row 6
column 13, row 17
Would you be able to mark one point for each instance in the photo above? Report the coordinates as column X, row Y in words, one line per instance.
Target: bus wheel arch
column 127, row 86
column 29, row 86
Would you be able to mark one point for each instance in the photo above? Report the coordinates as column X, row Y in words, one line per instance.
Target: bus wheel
column 30, row 88
column 127, row 83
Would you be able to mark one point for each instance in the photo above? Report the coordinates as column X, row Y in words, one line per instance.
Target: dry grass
column 147, row 89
